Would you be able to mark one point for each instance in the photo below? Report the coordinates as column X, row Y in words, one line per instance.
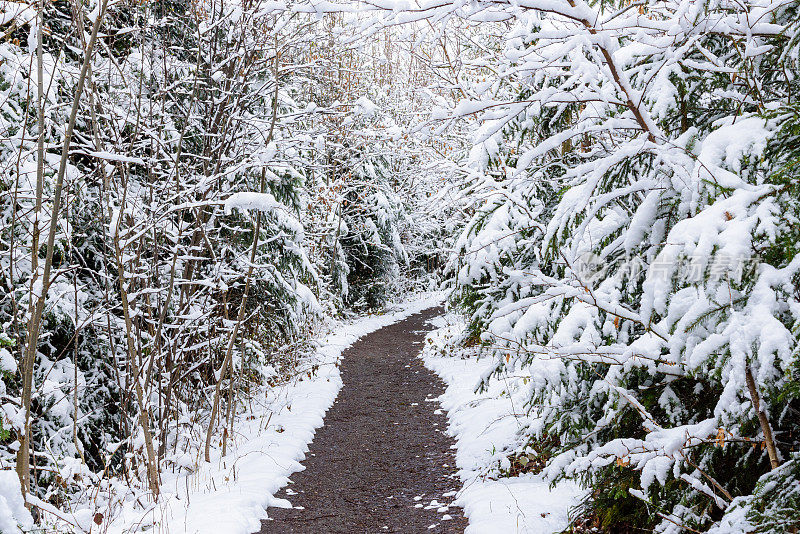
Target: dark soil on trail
column 383, row 455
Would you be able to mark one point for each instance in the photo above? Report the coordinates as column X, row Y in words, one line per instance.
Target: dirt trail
column 383, row 455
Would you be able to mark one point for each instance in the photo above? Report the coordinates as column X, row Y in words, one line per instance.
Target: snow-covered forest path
column 382, row 462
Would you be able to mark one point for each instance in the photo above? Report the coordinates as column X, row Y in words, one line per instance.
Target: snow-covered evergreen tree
column 633, row 245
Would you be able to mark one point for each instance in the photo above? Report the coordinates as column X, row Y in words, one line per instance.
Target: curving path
column 382, row 462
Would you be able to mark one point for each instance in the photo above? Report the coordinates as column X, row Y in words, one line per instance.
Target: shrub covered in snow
column 634, row 248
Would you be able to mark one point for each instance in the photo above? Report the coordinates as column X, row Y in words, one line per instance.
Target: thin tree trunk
column 242, row 307
column 755, row 398
column 144, row 413
column 232, row 341
column 40, row 290
column 29, row 356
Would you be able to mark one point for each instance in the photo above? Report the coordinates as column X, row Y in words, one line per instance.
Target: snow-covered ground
column 231, row 494
column 485, row 426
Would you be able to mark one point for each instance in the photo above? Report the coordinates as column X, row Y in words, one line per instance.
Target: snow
column 522, row 504
column 7, row 361
column 365, row 107
column 230, row 494
column 485, row 425
column 629, row 201
column 109, row 156
column 19, row 11
column 265, row 203
column 251, row 200
column 13, row 513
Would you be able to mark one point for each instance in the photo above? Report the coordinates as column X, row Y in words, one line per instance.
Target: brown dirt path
column 383, row 455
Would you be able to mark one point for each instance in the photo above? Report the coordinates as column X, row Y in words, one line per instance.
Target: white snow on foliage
column 249, row 200
column 265, row 203
column 13, row 515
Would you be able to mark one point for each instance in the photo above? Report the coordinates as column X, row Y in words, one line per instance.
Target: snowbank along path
column 383, row 461
column 488, row 425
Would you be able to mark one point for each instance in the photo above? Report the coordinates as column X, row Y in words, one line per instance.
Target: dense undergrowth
column 231, row 180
